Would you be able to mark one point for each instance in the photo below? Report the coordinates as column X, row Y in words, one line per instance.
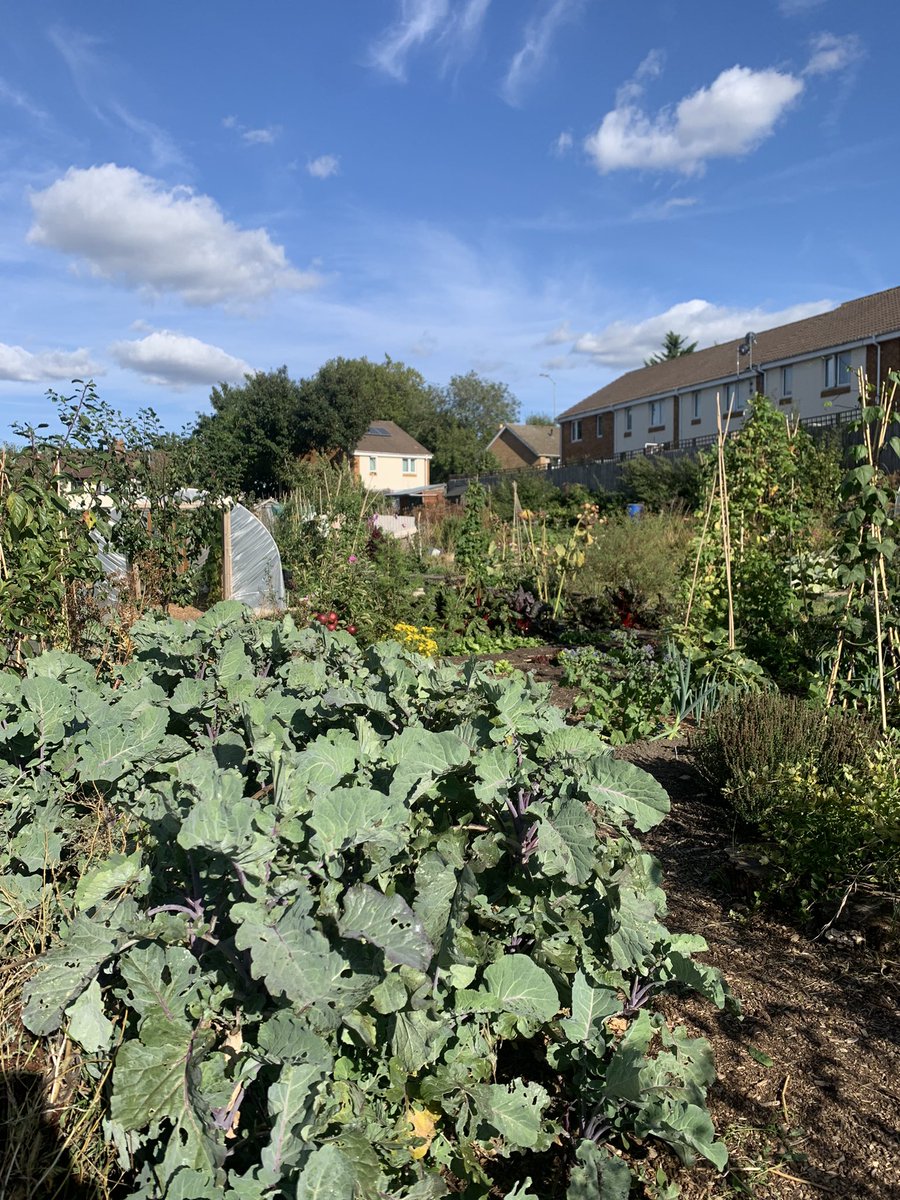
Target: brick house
column 526, row 446
column 807, row 367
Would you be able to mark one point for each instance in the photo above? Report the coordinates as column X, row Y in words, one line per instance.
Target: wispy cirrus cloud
column 132, row 229
column 830, row 54
column 45, row 366
column 727, row 119
column 177, row 360
column 418, row 21
column 453, row 30
column 529, row 59
column 89, row 70
column 21, row 100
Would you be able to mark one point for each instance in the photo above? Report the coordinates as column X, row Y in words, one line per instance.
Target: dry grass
column 51, row 1097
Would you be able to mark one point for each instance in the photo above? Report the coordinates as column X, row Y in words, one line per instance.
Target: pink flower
column 352, row 558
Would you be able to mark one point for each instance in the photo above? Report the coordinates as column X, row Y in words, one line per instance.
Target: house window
column 695, row 407
column 373, row 464
column 628, row 420
column 409, row 466
column 787, row 381
column 576, row 431
column 655, row 413
column 837, row 368
column 599, row 426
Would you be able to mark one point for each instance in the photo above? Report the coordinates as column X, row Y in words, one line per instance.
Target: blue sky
column 524, row 188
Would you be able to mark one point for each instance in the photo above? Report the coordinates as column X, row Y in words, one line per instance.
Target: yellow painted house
column 388, row 459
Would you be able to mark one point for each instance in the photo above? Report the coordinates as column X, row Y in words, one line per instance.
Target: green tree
column 539, row 419
column 675, row 345
column 467, row 414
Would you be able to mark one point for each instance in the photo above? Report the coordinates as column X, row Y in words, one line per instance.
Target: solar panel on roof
column 377, row 431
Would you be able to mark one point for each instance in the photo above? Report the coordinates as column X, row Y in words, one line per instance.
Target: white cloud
column 729, row 118
column 19, row 364
column 532, row 54
column 130, row 228
column 558, row 336
column 563, row 144
column 454, row 28
column 176, row 360
column 625, row 344
column 418, row 21
column 324, row 166
column 264, row 136
column 829, row 53
column 261, row 137
column 650, row 67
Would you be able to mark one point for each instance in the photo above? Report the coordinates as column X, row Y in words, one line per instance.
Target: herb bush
column 376, row 927
column 750, row 737
column 832, row 831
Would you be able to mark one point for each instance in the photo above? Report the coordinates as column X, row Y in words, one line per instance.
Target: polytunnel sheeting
column 256, row 576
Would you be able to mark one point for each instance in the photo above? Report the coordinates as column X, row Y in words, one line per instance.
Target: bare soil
column 808, row 1091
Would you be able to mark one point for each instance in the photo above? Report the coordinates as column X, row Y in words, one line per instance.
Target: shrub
column 752, row 737
column 831, row 829
column 661, row 482
column 369, row 927
column 637, row 561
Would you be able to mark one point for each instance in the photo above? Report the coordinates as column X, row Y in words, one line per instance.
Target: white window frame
column 409, row 466
column 373, row 465
column 837, row 370
column 787, row 382
column 629, row 419
column 599, row 425
column 656, row 418
column 576, row 434
column 695, row 410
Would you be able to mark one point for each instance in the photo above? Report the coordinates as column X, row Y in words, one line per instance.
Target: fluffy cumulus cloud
column 131, row 228
column 733, row 115
column 626, row 344
column 324, row 166
column 23, row 366
column 176, row 360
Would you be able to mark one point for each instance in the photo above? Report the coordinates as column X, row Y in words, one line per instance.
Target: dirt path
column 808, row 1090
column 824, row 1117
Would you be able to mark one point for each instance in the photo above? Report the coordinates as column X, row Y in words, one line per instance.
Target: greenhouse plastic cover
column 256, row 576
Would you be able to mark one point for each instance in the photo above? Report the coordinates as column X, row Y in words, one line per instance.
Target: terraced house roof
column 856, row 321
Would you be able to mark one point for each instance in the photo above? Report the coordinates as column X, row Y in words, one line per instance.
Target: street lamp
column 544, row 375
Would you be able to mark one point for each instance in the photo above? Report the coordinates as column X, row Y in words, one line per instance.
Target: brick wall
column 510, row 453
column 890, row 360
column 595, row 442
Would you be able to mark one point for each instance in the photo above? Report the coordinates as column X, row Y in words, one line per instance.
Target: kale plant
column 377, row 928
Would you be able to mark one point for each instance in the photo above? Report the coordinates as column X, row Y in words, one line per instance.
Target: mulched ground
column 824, row 1118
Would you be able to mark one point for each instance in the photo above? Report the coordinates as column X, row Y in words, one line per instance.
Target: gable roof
column 390, row 440
column 543, row 440
column 853, row 322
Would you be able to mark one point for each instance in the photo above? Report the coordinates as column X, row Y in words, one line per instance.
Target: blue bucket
column 635, row 510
